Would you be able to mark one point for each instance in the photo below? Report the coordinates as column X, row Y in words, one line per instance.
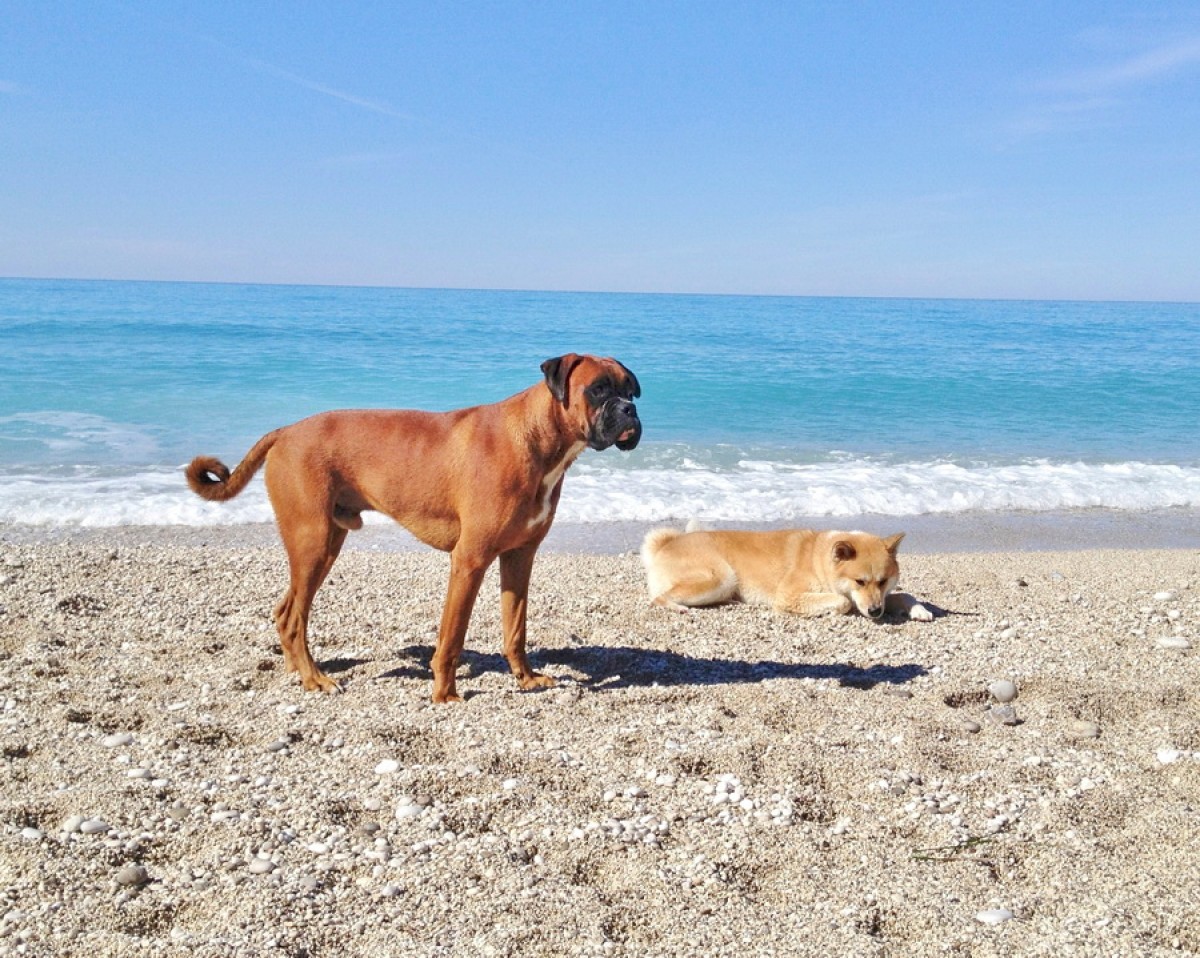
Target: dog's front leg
column 901, row 603
column 813, row 603
column 466, row 575
column 516, row 567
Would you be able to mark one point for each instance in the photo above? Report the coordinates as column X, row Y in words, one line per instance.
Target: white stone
column 93, row 826
column 1167, row 755
column 1174, row 642
column 261, row 866
column 132, row 875
column 31, row 834
column 994, row 916
column 117, row 740
column 1164, row 596
column 71, row 824
column 408, row 810
column 387, row 767
column 1003, row 690
column 1082, row 728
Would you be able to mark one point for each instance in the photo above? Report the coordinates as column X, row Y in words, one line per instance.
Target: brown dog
column 477, row 483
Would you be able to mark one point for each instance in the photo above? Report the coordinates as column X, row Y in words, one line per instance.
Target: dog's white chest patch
column 551, row 480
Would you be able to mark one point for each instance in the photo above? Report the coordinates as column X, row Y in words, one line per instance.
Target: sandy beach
column 729, row 782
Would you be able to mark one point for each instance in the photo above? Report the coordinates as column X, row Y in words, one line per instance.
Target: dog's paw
column 920, row 613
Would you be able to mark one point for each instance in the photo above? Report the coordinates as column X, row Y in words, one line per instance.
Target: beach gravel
column 725, row 782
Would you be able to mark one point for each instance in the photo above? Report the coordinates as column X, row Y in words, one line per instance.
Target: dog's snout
column 875, row 611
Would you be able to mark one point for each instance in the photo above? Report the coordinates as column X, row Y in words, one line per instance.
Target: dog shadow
column 606, row 667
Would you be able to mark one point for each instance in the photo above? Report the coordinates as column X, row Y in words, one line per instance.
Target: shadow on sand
column 615, row 667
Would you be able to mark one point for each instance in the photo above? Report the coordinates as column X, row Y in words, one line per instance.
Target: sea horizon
column 759, row 409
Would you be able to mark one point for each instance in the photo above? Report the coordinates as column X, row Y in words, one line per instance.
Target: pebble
column 1167, row 756
column 277, row 746
column 1003, row 714
column 971, row 726
column 408, row 810
column 261, row 866
column 132, row 876
column 72, row 824
column 31, row 834
column 1003, row 690
column 1081, row 728
column 994, row 916
column 117, row 740
column 387, row 767
column 1164, row 596
column 1174, row 642
column 93, row 826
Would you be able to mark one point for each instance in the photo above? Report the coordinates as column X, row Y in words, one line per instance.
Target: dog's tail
column 210, row 479
column 655, row 540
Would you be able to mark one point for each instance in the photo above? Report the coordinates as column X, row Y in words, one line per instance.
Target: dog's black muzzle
column 616, row 424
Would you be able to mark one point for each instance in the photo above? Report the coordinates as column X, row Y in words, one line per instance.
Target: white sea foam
column 597, row 490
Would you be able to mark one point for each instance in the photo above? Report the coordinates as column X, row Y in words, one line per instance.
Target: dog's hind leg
column 697, row 587
column 312, row 548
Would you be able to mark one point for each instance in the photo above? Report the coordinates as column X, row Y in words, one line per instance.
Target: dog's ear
column 843, row 551
column 557, row 372
column 634, row 385
column 892, row 543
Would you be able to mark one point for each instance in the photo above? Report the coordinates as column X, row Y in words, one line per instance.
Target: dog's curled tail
column 655, row 540
column 210, row 479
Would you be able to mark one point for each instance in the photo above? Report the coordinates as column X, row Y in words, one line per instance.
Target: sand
column 728, row 782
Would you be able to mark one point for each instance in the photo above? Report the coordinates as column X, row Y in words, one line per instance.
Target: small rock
column 1003, row 714
column 93, row 826
column 1003, row 690
column 1082, row 728
column 1166, row 756
column 971, row 726
column 408, row 810
column 277, row 746
column 261, row 866
column 117, row 740
column 994, row 916
column 1163, row 596
column 31, row 834
column 132, row 876
column 71, row 824
column 387, row 767
column 1174, row 642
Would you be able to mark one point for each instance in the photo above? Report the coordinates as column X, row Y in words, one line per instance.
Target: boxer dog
column 479, row 483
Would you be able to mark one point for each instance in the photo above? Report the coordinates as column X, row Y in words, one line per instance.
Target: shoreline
column 1051, row 531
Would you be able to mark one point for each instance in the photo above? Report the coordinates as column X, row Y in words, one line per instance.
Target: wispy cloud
column 1159, row 63
column 375, row 106
column 1091, row 98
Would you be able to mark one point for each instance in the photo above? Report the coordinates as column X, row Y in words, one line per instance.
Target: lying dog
column 479, row 483
column 793, row 570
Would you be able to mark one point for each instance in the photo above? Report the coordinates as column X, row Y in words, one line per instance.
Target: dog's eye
column 861, row 582
column 597, row 393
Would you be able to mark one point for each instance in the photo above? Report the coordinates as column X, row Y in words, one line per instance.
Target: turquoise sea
column 756, row 409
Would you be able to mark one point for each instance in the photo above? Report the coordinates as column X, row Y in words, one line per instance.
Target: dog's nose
column 875, row 611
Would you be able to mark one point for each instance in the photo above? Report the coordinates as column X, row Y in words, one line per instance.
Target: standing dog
column 479, row 483
column 792, row 570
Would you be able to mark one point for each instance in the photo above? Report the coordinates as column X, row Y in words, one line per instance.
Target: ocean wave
column 748, row 490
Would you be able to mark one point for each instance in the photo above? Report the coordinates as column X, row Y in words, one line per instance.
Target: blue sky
column 1008, row 149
